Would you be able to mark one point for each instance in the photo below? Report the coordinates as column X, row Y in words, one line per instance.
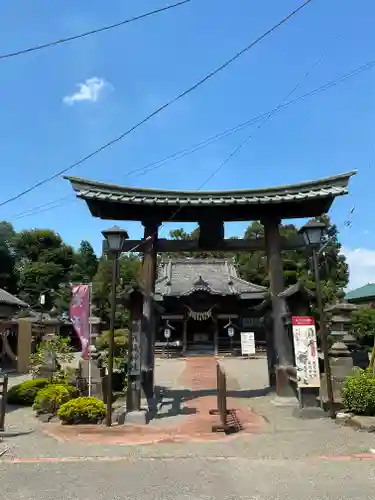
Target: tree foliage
column 43, row 264
column 8, row 277
column 120, row 348
column 85, row 264
column 128, row 274
column 297, row 265
column 363, row 322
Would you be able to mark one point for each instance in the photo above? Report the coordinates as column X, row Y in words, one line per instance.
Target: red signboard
column 303, row 320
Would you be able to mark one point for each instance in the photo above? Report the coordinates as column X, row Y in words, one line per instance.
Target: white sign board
column 306, row 351
column 247, row 343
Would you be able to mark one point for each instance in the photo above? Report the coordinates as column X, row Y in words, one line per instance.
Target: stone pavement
column 183, row 426
column 182, row 416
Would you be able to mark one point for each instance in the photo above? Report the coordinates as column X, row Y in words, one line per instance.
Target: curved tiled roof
column 328, row 187
column 182, row 277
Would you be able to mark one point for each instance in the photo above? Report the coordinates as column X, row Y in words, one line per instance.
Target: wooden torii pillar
column 148, row 278
column 281, row 341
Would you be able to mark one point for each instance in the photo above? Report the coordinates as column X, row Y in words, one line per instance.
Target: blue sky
column 150, row 61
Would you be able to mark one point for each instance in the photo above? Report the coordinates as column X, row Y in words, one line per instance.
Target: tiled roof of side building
column 181, row 277
column 363, row 292
column 9, row 299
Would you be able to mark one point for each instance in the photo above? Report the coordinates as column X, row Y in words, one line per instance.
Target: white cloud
column 361, row 263
column 90, row 90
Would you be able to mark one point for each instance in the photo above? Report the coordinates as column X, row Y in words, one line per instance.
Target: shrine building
column 201, row 301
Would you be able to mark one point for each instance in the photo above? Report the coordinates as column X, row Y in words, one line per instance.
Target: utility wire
column 158, row 110
column 91, row 32
column 45, row 207
column 271, row 113
column 180, row 154
column 238, row 148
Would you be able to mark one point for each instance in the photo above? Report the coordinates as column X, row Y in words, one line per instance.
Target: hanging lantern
column 230, row 331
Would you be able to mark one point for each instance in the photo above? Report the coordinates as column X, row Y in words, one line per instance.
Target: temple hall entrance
column 200, row 336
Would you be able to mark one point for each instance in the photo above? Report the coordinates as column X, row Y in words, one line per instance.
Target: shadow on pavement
column 175, row 399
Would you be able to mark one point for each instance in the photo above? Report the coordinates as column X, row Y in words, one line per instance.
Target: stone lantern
column 344, row 353
column 339, row 323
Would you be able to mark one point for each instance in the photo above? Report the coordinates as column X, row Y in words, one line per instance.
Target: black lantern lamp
column 313, row 233
column 115, row 238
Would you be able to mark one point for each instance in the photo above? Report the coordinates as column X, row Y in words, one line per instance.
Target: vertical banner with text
column 80, row 315
column 306, row 351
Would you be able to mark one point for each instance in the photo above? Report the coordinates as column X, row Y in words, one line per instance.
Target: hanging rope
column 200, row 315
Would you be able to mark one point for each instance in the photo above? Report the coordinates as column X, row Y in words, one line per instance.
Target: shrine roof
column 304, row 199
column 361, row 293
column 9, row 299
column 183, row 277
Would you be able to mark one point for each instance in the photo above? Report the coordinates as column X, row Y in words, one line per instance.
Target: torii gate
column 211, row 209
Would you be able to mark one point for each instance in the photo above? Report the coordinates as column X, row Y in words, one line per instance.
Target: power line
column 243, row 143
column 192, row 149
column 91, row 32
column 270, row 114
column 158, row 110
column 207, row 142
column 45, row 207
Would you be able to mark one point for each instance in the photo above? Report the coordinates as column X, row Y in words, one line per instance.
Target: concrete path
column 188, row 479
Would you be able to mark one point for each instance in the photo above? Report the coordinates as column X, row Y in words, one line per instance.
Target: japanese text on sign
column 306, row 351
column 135, row 361
column 247, row 343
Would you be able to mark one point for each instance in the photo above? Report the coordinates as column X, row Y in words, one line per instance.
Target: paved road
column 190, row 479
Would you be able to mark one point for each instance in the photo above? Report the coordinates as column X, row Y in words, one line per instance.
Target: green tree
column 129, row 271
column 8, row 276
column 43, row 264
column 120, row 347
column 180, row 234
column 85, row 264
column 252, row 266
column 363, row 323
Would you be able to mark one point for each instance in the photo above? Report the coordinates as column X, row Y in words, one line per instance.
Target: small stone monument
column 341, row 362
column 49, row 366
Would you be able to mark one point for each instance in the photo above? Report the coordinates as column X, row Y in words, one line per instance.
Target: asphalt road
column 189, row 479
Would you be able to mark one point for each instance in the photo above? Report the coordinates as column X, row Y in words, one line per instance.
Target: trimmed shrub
column 24, row 394
column 49, row 399
column 84, row 410
column 120, row 348
column 359, row 392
